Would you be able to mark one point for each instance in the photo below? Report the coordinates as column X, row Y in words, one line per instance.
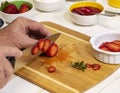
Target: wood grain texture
column 73, row 46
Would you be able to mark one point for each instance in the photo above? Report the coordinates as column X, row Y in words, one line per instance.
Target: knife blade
column 52, row 39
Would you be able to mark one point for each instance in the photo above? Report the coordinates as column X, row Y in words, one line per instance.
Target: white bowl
column 10, row 17
column 49, row 5
column 105, row 56
column 84, row 19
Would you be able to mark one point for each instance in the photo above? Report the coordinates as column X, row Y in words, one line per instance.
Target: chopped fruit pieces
column 113, row 46
column 41, row 44
column 48, row 49
column 116, row 42
column 34, row 50
column 86, row 10
column 51, row 69
column 46, row 45
column 103, row 47
column 95, row 66
column 52, row 50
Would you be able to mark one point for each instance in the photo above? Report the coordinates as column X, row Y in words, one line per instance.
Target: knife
column 52, row 39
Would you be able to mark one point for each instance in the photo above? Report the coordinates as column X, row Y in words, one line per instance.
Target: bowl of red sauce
column 85, row 12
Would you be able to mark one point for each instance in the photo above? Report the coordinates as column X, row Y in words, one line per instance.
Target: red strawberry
column 103, row 47
column 112, row 46
column 24, row 8
column 25, row 5
column 95, row 66
column 46, row 45
column 34, row 50
column 52, row 50
column 116, row 42
column 10, row 9
column 51, row 69
column 41, row 44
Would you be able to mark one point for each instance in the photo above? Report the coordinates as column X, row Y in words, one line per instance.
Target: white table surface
column 109, row 85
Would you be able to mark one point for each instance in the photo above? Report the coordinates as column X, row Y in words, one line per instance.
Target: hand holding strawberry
column 21, row 33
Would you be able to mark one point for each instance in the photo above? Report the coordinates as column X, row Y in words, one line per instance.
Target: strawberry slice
column 40, row 44
column 103, row 47
column 112, row 46
column 95, row 66
column 46, row 45
column 116, row 42
column 34, row 50
column 52, row 50
column 51, row 69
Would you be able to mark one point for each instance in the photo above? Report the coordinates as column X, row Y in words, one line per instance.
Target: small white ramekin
column 101, row 55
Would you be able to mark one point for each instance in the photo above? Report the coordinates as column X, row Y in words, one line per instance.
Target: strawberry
column 34, row 50
column 24, row 8
column 40, row 44
column 103, row 47
column 95, row 66
column 116, row 42
column 10, row 9
column 52, row 50
column 112, row 46
column 46, row 45
column 51, row 69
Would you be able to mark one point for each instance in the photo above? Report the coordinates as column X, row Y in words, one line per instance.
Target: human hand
column 6, row 69
column 22, row 33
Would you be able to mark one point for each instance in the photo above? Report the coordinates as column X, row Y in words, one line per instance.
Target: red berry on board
column 51, row 69
column 52, row 50
column 34, row 50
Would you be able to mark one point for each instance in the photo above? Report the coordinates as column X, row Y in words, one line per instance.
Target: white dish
column 105, row 56
column 107, row 7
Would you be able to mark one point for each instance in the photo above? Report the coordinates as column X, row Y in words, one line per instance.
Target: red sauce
column 87, row 10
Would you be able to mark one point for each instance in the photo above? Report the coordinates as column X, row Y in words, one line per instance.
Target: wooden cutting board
column 73, row 46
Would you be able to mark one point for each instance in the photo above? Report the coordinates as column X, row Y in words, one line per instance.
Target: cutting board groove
column 73, row 46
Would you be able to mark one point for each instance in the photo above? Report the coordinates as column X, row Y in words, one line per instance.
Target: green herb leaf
column 4, row 5
column 79, row 65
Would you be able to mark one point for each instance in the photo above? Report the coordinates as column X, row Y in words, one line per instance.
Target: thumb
column 10, row 51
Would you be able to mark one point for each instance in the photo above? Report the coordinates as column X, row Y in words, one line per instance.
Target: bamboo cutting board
column 73, row 46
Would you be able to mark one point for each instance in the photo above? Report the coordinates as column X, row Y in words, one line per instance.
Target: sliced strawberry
column 116, row 42
column 52, row 50
column 34, row 50
column 46, row 45
column 41, row 44
column 103, row 47
column 95, row 66
column 51, row 69
column 112, row 46
column 24, row 8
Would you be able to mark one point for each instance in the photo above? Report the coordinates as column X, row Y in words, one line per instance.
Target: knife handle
column 11, row 60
